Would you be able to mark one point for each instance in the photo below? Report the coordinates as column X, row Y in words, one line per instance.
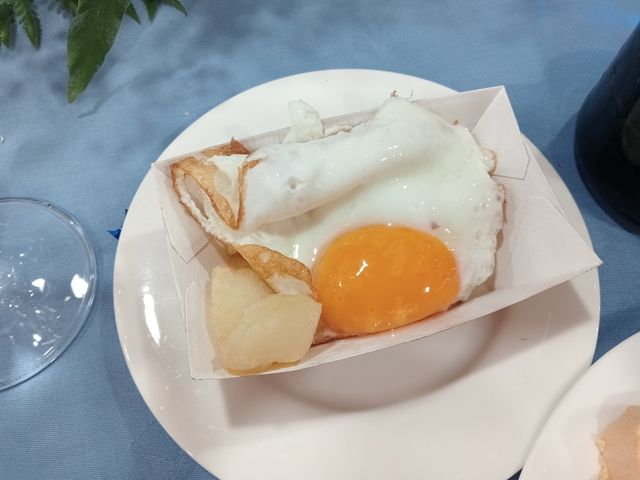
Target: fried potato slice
column 252, row 327
column 232, row 292
column 276, row 329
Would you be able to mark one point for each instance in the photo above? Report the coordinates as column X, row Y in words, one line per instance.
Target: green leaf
column 132, row 13
column 152, row 8
column 70, row 6
column 90, row 38
column 27, row 17
column 6, row 21
column 177, row 5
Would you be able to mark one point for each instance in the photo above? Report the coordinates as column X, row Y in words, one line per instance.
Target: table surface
column 74, row 418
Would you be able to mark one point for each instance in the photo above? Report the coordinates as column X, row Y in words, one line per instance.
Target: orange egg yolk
column 378, row 277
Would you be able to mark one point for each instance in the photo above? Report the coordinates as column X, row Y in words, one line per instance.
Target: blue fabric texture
column 82, row 417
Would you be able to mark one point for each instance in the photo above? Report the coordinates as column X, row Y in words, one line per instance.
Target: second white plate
column 466, row 403
column 566, row 447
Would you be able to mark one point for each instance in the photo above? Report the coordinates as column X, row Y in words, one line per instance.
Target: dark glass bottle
column 607, row 142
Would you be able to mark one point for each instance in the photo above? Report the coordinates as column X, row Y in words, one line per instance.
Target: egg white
column 404, row 167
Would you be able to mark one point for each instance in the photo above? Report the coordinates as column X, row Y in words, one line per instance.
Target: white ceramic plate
column 566, row 446
column 466, row 403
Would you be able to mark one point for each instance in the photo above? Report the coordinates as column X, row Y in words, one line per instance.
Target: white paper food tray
column 539, row 248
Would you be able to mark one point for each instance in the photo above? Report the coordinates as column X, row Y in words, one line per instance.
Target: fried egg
column 385, row 224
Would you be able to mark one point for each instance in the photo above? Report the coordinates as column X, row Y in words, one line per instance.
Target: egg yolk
column 379, row 277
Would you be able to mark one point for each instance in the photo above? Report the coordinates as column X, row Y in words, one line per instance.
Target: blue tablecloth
column 82, row 417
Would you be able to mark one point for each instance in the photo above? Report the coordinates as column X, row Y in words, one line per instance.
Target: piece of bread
column 619, row 447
